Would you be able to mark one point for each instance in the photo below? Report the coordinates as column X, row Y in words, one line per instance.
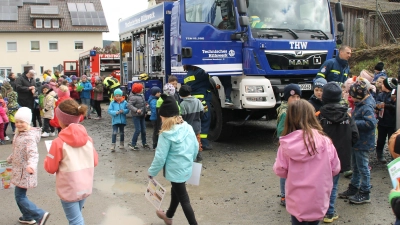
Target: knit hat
column 169, row 89
column 66, row 118
column 118, row 92
column 359, row 89
column 390, row 83
column 74, row 77
column 46, row 86
column 24, row 114
column 154, row 90
column 169, row 107
column 320, row 82
column 349, row 82
column 48, row 79
column 185, row 91
column 37, row 79
column 379, row 66
column 63, row 91
column 291, row 89
column 83, row 76
column 137, row 88
column 331, row 93
column 367, row 75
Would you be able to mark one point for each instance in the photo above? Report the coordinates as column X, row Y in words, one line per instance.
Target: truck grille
column 295, row 60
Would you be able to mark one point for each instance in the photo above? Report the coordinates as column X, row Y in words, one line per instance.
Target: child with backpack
column 341, row 128
column 308, row 160
column 137, row 106
column 155, row 94
column 12, row 105
column 118, row 109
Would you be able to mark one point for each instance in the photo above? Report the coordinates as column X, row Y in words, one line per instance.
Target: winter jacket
column 73, row 157
column 12, row 105
column 153, row 107
column 199, row 81
column 13, row 84
column 136, row 102
column 364, row 117
column 116, row 106
column 389, row 112
column 280, row 121
column 192, row 111
column 72, row 91
column 87, row 88
column 49, row 104
column 308, row 178
column 335, row 69
column 98, row 92
column 25, row 154
column 3, row 116
column 25, row 96
column 342, row 130
column 54, row 86
column 379, row 74
column 176, row 151
column 317, row 103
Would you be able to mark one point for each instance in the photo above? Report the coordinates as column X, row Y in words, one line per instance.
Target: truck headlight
column 254, row 89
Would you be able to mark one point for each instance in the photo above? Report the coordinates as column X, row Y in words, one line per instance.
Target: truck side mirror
column 244, row 21
column 338, row 12
column 241, row 6
column 340, row 27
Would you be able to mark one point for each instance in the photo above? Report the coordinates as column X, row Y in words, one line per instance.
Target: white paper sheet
column 196, row 173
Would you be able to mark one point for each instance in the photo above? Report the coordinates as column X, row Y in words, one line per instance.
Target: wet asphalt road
column 237, row 185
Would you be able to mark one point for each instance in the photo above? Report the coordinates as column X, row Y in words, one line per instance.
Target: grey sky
column 115, row 9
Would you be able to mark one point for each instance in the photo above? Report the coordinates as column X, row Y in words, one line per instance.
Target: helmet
column 143, row 76
column 254, row 20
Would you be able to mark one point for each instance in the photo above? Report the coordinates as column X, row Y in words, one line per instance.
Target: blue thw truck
column 262, row 45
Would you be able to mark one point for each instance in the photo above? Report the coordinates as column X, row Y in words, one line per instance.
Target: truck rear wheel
column 219, row 129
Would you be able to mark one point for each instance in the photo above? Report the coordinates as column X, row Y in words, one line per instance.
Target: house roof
column 25, row 19
column 370, row 5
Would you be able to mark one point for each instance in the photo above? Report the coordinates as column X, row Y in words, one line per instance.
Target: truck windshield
column 295, row 15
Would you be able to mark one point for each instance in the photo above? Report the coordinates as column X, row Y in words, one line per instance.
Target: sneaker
column 207, row 147
column 349, row 192
column 146, row 146
column 199, row 158
column 161, row 214
column 228, row 101
column 52, row 134
column 112, row 148
column 360, row 198
column 121, row 145
column 44, row 218
column 97, row 118
column 6, row 138
column 24, row 221
column 2, row 143
column 348, row 173
column 45, row 134
column 133, row 147
column 283, row 201
column 328, row 218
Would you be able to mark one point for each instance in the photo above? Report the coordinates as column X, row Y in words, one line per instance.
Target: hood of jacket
column 151, row 98
column 293, row 145
column 75, row 135
column 334, row 112
column 178, row 133
column 367, row 101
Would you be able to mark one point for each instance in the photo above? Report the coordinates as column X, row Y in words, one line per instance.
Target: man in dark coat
column 25, row 87
column 12, row 77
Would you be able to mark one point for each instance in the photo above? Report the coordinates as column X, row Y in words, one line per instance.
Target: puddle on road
column 120, row 216
column 109, row 185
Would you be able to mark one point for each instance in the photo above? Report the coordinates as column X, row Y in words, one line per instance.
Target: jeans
column 397, row 222
column 12, row 126
column 46, row 126
column 282, row 182
column 180, row 195
column 115, row 132
column 73, row 212
column 296, row 222
column 383, row 134
column 332, row 200
column 86, row 101
column 361, row 174
column 140, row 128
column 28, row 209
column 97, row 107
column 155, row 133
column 36, row 117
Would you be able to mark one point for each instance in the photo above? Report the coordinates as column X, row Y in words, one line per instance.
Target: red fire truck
column 98, row 64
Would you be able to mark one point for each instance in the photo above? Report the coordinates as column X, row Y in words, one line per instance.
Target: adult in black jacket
column 12, row 77
column 25, row 87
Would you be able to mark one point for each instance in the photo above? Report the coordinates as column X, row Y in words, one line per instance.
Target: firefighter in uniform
column 336, row 69
column 199, row 81
column 111, row 83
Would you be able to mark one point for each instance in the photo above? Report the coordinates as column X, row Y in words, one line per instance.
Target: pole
column 398, row 101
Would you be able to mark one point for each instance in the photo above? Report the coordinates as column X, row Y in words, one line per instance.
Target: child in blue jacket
column 155, row 94
column 118, row 109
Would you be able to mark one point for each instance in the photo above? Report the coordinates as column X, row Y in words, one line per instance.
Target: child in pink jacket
column 3, row 122
column 308, row 160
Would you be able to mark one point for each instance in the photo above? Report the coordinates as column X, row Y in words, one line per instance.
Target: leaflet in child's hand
column 5, row 175
column 394, row 172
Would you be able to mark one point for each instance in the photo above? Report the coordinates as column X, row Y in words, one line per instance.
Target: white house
column 41, row 34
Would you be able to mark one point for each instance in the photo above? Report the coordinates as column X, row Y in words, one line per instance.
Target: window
column 39, row 23
column 78, row 45
column 41, row 69
column 35, row 45
column 56, row 23
column 11, row 46
column 47, row 23
column 4, row 71
column 53, row 45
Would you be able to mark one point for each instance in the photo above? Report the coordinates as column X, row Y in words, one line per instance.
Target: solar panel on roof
column 74, row 14
column 11, row 3
column 101, row 14
column 103, row 22
column 96, row 21
column 87, row 14
column 89, row 21
column 72, row 7
column 82, row 21
column 94, row 14
column 8, row 9
column 44, row 10
column 81, row 7
column 75, row 21
column 89, row 7
column 9, row 13
column 81, row 14
column 14, row 16
column 47, row 2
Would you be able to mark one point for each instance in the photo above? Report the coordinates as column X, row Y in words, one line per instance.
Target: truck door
column 206, row 28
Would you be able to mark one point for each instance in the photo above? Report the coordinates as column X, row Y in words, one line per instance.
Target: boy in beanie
column 316, row 98
column 379, row 71
column 363, row 114
column 342, row 130
column 118, row 109
column 155, row 94
column 192, row 110
column 137, row 106
column 386, row 115
column 291, row 93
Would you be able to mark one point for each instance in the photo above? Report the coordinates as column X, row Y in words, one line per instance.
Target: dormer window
column 39, row 24
column 47, row 23
column 56, row 23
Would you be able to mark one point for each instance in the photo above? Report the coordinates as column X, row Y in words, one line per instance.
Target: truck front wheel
column 219, row 129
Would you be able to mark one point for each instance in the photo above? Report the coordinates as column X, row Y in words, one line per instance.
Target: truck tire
column 219, row 129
